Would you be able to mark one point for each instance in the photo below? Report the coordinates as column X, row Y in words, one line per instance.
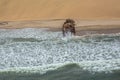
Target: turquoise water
column 37, row 54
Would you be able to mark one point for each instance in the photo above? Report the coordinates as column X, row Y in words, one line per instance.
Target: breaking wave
column 38, row 50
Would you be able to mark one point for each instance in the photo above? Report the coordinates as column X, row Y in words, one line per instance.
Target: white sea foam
column 92, row 66
column 36, row 47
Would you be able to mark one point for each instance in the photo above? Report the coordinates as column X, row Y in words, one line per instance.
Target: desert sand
column 12, row 10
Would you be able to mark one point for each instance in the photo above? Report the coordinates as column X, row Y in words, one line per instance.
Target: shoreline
column 83, row 27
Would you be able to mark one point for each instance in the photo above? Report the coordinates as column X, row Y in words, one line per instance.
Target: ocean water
column 38, row 54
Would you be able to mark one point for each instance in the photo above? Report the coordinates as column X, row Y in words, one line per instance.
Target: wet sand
column 85, row 31
column 83, row 27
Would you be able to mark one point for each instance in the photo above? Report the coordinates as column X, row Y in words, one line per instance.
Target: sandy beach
column 91, row 16
column 13, row 10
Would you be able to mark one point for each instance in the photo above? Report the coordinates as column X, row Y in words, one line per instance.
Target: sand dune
column 59, row 9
